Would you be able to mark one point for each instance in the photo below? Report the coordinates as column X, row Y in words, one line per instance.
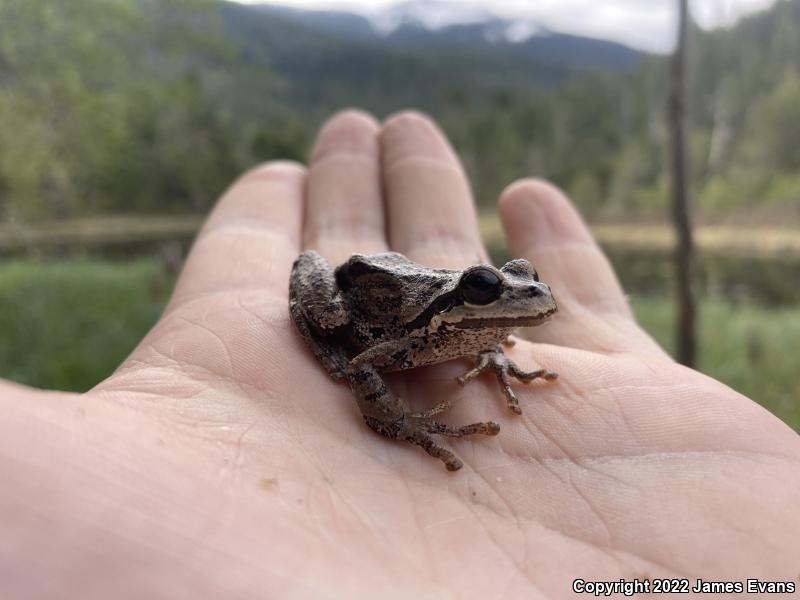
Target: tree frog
column 383, row 312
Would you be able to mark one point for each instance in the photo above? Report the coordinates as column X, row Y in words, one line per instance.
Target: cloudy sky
column 647, row 24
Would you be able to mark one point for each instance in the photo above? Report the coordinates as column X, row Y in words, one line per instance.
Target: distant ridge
column 419, row 25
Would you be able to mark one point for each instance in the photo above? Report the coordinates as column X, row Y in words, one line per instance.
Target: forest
column 112, row 106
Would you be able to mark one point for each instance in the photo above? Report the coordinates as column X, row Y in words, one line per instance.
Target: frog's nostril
column 535, row 291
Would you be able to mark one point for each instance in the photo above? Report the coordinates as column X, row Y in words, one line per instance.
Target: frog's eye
column 480, row 286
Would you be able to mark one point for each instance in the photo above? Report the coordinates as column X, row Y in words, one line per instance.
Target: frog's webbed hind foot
column 419, row 436
column 504, row 368
column 416, row 430
column 482, row 428
column 424, row 441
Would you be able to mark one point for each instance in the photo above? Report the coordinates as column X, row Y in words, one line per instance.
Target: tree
column 681, row 210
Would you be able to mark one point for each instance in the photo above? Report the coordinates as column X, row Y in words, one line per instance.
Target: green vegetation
column 132, row 106
column 68, row 325
column 89, row 124
column 749, row 347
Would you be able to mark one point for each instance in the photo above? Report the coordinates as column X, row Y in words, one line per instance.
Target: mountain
column 160, row 104
column 428, row 14
column 321, row 60
column 340, row 24
column 426, row 25
column 519, row 39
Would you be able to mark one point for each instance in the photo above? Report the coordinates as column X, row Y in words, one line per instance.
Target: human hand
column 220, row 460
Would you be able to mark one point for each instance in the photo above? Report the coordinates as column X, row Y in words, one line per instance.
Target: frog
column 379, row 313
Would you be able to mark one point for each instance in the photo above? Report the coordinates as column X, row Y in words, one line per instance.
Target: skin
column 220, row 459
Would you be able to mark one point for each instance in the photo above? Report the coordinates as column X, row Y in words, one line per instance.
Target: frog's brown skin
column 386, row 313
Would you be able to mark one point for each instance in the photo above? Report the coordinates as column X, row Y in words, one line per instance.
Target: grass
column 751, row 348
column 67, row 325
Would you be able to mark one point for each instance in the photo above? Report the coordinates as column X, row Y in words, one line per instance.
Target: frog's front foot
column 504, row 368
column 416, row 428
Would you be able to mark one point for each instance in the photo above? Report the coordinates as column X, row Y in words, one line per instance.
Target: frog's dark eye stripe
column 443, row 304
column 480, row 286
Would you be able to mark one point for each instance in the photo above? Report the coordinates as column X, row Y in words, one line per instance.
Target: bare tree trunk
column 686, row 345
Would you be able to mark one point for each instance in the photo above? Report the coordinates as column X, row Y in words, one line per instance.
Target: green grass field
column 751, row 348
column 67, row 325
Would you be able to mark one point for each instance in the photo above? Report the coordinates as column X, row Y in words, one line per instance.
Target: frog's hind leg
column 504, row 368
column 333, row 359
column 389, row 416
column 317, row 309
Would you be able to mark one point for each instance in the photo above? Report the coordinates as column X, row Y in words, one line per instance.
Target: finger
column 541, row 223
column 544, row 227
column 251, row 237
column 344, row 208
column 430, row 214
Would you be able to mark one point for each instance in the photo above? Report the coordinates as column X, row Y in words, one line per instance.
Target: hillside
column 430, row 26
column 335, row 58
column 153, row 107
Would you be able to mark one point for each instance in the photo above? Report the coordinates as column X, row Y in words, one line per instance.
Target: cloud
column 645, row 24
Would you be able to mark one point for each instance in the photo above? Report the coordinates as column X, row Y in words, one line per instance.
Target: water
column 737, row 279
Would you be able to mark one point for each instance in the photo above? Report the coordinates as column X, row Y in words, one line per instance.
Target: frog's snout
column 535, row 292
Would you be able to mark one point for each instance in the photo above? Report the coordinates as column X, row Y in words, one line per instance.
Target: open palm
column 220, row 460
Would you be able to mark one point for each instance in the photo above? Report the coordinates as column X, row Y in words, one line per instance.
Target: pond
column 735, row 278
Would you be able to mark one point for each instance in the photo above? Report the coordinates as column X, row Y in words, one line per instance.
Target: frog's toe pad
column 453, row 464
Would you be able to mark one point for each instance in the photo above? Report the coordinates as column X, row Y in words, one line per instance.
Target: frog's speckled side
column 386, row 313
